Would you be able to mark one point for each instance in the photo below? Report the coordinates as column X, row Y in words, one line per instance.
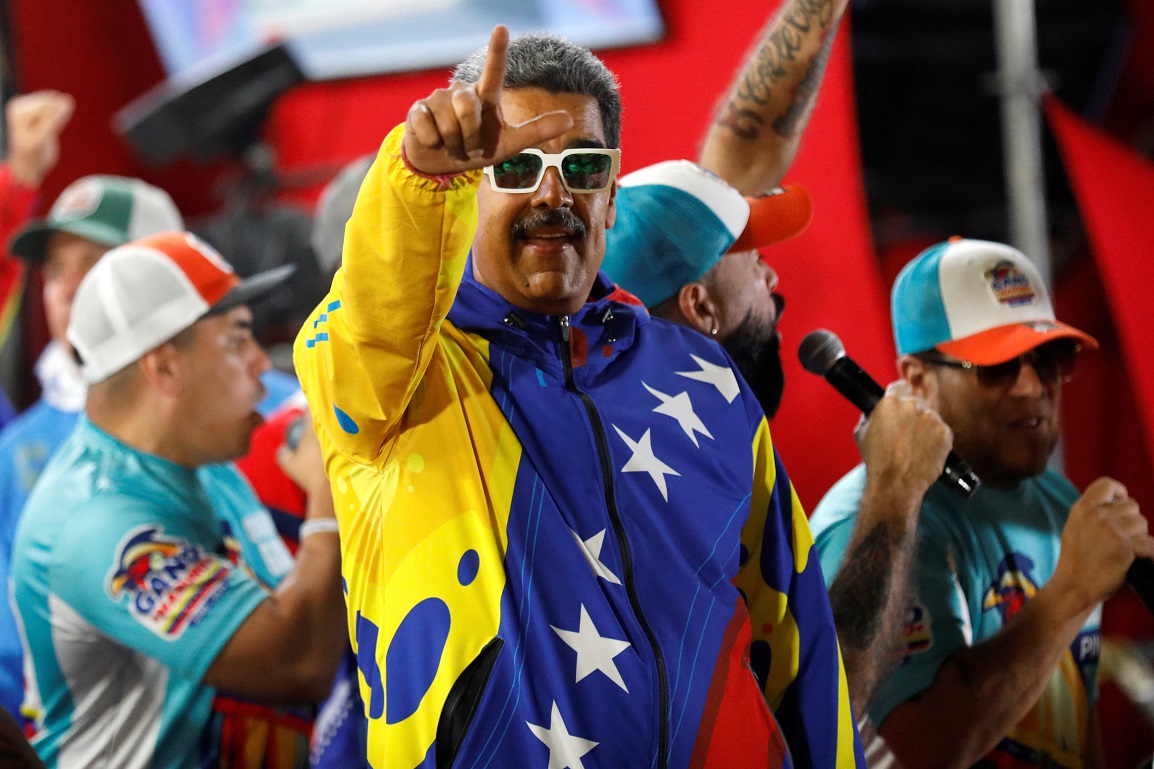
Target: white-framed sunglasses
column 583, row 169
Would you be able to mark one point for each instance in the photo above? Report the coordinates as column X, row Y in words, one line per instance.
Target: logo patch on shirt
column 1010, row 285
column 1013, row 586
column 917, row 634
column 170, row 582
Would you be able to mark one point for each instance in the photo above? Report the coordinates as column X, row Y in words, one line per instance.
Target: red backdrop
column 669, row 90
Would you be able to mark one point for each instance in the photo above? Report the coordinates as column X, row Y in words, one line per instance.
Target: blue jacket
column 565, row 540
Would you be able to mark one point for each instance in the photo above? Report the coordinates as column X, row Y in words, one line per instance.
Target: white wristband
column 316, row 526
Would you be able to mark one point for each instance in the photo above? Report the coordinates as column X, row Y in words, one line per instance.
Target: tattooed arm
column 904, row 446
column 758, row 126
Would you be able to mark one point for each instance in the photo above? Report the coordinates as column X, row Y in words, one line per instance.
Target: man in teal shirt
column 999, row 649
column 145, row 573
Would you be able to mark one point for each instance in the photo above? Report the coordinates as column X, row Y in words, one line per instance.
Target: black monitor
column 211, row 111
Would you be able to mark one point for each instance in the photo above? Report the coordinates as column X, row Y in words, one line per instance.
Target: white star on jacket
column 591, row 549
column 594, row 651
column 680, row 407
column 644, row 461
column 721, row 377
column 565, row 750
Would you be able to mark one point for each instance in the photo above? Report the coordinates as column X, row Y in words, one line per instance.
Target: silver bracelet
column 317, row 525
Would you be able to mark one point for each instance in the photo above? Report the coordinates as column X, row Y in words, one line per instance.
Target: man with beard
column 566, row 539
column 999, row 655
column 728, row 291
column 685, row 243
column 713, row 279
column 751, row 143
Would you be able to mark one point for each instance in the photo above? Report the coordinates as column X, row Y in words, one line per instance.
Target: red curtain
column 669, row 90
column 829, row 274
column 1114, row 188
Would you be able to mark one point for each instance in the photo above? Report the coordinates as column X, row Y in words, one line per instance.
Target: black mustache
column 554, row 217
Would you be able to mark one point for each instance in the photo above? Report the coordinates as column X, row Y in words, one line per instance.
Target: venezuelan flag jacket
column 567, row 541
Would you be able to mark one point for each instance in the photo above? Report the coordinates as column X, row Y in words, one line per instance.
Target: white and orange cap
column 978, row 301
column 141, row 294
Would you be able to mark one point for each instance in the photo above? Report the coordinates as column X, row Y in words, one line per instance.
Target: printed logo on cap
column 1010, row 285
column 78, row 201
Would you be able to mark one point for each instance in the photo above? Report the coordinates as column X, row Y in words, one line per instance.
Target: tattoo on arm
column 803, row 96
column 746, row 123
column 858, row 594
column 770, row 65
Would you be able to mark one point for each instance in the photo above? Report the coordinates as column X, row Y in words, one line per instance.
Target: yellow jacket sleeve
column 362, row 353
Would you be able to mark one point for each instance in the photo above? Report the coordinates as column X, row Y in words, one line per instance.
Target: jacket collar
column 607, row 324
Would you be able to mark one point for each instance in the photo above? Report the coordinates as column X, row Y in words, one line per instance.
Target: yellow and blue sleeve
column 794, row 649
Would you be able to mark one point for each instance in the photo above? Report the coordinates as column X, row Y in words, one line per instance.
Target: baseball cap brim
column 253, row 288
column 32, row 242
column 998, row 345
column 774, row 217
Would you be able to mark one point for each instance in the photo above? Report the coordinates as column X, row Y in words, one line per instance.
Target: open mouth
column 1028, row 423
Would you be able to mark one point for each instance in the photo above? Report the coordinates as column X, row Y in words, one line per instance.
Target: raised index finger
column 493, row 74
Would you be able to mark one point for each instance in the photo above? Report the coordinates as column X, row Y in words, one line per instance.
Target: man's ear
column 698, row 307
column 164, row 369
column 917, row 373
column 611, row 211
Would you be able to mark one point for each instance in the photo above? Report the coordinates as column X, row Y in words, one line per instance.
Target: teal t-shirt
column 128, row 585
column 977, row 562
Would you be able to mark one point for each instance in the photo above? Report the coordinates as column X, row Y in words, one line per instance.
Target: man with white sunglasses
column 564, row 529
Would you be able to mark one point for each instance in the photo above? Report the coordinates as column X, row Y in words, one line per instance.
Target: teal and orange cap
column 976, row 300
column 676, row 220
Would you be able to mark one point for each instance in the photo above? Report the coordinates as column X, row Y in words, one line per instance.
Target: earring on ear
column 713, row 331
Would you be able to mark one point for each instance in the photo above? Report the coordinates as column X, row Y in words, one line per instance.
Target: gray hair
column 333, row 210
column 555, row 65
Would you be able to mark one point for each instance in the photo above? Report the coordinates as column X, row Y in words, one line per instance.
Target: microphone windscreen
column 819, row 351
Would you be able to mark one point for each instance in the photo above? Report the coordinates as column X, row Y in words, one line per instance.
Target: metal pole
column 1020, row 87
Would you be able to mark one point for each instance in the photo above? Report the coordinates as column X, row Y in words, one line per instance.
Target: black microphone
column 822, row 353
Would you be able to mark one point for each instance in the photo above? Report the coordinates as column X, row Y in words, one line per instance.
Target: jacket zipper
column 622, row 542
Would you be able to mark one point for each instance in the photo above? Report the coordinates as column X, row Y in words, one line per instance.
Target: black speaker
column 217, row 112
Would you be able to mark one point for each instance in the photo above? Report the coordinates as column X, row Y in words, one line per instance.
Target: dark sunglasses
column 1051, row 361
column 582, row 170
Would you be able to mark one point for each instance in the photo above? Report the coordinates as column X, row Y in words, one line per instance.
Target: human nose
column 1028, row 382
column 261, row 362
column 771, row 279
column 552, row 191
column 67, row 281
